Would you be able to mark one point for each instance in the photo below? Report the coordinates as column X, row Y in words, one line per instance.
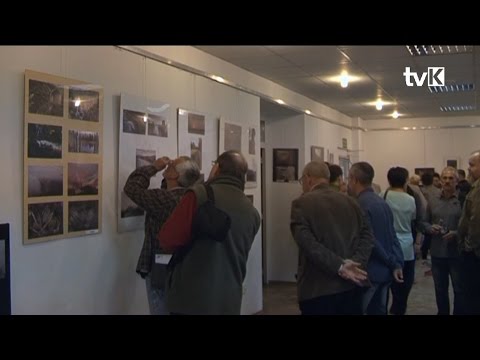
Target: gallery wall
column 96, row 274
column 419, row 147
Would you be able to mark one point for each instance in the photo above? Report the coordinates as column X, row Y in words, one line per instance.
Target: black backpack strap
column 385, row 195
column 209, row 191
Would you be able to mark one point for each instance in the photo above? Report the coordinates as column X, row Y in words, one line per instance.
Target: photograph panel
column 196, row 151
column 80, row 141
column 45, row 219
column 134, row 122
column 144, row 157
column 196, row 124
column 82, row 215
column 83, row 104
column 3, row 259
column 317, row 153
column 45, row 180
column 129, row 208
column 45, row 98
column 251, row 141
column 233, row 137
column 157, row 126
column 82, row 179
column 285, row 165
column 44, row 141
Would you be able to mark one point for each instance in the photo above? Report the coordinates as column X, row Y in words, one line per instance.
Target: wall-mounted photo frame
column 285, row 165
column 317, row 153
column 344, row 163
column 453, row 161
column 63, row 156
column 5, row 294
column 421, row 171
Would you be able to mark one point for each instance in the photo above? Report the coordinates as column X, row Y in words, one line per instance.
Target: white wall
column 96, row 274
column 282, row 252
column 326, row 135
column 419, row 148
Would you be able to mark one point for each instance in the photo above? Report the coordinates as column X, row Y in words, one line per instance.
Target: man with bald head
column 208, row 280
column 179, row 174
column 334, row 242
column 469, row 237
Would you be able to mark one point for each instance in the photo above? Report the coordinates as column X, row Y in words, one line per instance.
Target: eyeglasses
column 301, row 180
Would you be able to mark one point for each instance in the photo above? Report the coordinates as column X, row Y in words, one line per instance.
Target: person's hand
column 161, row 163
column 398, row 275
column 449, row 236
column 435, row 229
column 350, row 270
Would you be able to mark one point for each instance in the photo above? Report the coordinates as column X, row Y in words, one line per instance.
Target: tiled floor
column 280, row 298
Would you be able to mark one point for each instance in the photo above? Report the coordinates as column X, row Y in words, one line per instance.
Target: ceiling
column 308, row 70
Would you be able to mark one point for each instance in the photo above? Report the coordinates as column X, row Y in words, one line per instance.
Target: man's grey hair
column 188, row 172
column 317, row 169
column 451, row 169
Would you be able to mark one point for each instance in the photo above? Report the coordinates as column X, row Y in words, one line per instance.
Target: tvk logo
column 435, row 75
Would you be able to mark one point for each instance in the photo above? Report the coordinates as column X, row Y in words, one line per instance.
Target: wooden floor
column 280, row 298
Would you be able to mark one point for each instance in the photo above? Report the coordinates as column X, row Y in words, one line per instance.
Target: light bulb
column 395, row 114
column 77, row 103
column 344, row 79
column 145, row 117
column 379, row 104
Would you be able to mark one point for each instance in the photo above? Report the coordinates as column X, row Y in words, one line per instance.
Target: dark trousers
column 427, row 240
column 344, row 303
column 471, row 277
column 442, row 270
column 400, row 291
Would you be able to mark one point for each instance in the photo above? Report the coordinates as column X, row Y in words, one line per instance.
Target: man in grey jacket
column 334, row 243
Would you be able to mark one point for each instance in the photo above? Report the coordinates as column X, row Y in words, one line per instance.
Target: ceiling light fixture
column 308, row 112
column 280, row 101
column 77, row 103
column 395, row 114
column 379, row 104
column 344, row 79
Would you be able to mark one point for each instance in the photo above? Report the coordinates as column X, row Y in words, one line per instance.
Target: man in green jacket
column 209, row 278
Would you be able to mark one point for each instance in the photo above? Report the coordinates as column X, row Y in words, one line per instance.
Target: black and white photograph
column 251, row 141
column 196, row 124
column 134, row 122
column 233, row 137
column 331, row 158
column 83, row 104
column 262, row 131
column 82, row 215
column 83, row 141
column 144, row 158
column 82, row 179
column 45, row 98
column 285, row 165
column 421, row 171
column 45, row 219
column 157, row 126
column 316, row 153
column 44, row 141
column 45, row 180
column 3, row 260
column 251, row 177
column 129, row 208
column 196, row 151
column 344, row 163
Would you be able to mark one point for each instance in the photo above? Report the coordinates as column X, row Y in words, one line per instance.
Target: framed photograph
column 344, row 163
column 421, row 171
column 452, row 161
column 285, row 165
column 317, row 153
column 62, row 154
column 83, row 216
column 147, row 134
column 251, row 141
column 5, row 293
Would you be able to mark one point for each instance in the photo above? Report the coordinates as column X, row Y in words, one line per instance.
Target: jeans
column 156, row 299
column 344, row 303
column 400, row 291
column 442, row 269
column 374, row 299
